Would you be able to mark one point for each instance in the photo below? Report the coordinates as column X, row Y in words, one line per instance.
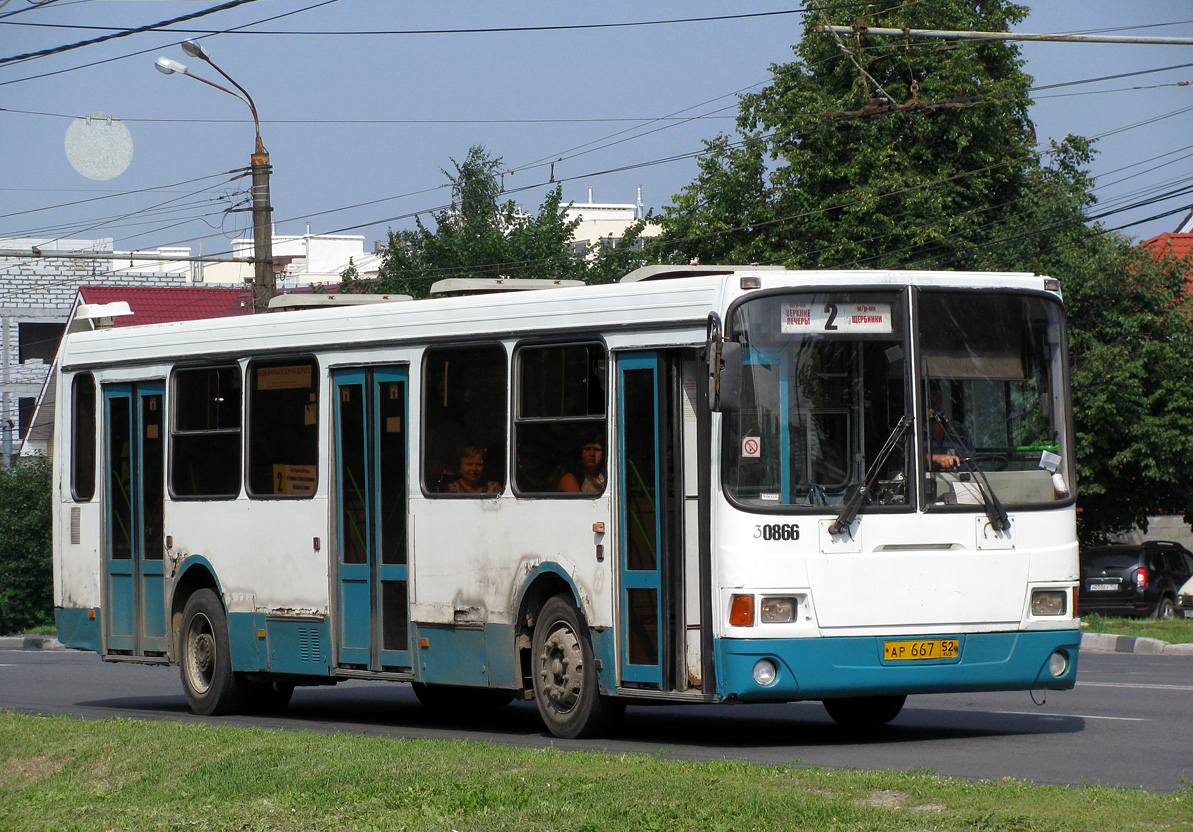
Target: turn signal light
column 741, row 611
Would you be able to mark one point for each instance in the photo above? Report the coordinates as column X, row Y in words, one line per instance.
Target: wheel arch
column 541, row 583
column 195, row 573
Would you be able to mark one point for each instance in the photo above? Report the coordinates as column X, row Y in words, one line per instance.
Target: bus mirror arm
column 724, row 369
column 729, row 378
column 845, row 519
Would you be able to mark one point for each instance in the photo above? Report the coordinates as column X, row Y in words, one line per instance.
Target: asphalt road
column 1128, row 722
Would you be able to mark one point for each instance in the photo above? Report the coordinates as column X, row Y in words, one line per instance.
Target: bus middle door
column 373, row 612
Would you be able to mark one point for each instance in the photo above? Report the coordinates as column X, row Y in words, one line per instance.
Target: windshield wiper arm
column 1000, row 521
column 845, row 519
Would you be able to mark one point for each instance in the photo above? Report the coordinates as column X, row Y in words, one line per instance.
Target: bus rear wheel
column 565, row 679
column 212, row 688
column 861, row 712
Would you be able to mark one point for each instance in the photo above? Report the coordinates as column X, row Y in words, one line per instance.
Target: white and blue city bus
column 701, row 484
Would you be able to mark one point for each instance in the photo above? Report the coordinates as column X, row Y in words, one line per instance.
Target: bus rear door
column 134, row 542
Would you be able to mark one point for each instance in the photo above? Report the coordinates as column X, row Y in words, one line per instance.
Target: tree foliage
column 879, row 152
column 478, row 235
column 26, row 577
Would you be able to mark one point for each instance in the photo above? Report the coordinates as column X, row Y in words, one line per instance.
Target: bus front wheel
column 565, row 679
column 860, row 712
column 212, row 688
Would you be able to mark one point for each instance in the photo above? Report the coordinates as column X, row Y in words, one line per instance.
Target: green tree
column 869, row 151
column 26, row 576
column 881, row 152
column 478, row 235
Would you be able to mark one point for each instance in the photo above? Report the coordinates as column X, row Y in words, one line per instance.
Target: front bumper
column 820, row 668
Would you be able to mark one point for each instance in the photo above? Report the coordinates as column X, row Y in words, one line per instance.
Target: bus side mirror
column 724, row 377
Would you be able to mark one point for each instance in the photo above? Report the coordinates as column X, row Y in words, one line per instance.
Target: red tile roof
column 1178, row 245
column 158, row 305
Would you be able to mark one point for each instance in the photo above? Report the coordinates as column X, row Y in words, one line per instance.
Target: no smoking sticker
column 751, row 447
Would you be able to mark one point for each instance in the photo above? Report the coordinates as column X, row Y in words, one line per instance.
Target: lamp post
column 263, row 278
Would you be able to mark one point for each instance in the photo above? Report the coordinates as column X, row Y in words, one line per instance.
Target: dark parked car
column 1137, row 579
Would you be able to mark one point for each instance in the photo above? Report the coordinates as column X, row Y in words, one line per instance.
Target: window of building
column 283, row 427
column 205, row 460
column 559, row 421
column 38, row 340
column 82, row 437
column 26, row 408
column 464, row 420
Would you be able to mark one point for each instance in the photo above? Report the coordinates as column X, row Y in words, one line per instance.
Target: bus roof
column 663, row 298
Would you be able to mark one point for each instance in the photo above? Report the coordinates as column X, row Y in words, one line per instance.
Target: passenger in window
column 472, row 474
column 590, row 478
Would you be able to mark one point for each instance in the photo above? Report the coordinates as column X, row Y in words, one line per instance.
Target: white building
column 298, row 259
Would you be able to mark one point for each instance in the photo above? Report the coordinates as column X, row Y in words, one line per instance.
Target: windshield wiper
column 1000, row 521
column 845, row 519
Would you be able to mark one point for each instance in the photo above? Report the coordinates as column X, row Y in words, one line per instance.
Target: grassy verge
column 1176, row 631
column 61, row 774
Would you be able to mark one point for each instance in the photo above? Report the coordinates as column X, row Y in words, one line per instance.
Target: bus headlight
column 1048, row 602
column 765, row 672
column 1058, row 663
column 777, row 610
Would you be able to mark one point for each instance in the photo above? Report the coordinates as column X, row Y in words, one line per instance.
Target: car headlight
column 1049, row 602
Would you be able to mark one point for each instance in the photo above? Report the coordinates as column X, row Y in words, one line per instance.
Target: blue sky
column 370, row 120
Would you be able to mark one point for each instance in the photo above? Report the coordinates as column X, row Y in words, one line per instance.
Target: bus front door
column 134, row 541
column 656, row 569
column 373, row 613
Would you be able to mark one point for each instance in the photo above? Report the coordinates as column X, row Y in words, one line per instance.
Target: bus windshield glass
column 824, row 389
column 992, row 391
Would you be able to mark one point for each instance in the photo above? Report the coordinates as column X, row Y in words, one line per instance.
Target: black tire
column 565, row 678
column 1165, row 609
column 212, row 688
column 266, row 697
column 450, row 699
column 862, row 712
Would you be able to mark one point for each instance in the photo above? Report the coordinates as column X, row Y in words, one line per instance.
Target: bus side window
column 464, row 419
column 205, row 457
column 559, row 419
column 82, row 438
column 283, row 428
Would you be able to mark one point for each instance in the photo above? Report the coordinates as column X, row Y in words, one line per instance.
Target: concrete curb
column 1107, row 643
column 30, row 643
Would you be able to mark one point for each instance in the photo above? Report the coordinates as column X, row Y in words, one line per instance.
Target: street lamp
column 263, row 282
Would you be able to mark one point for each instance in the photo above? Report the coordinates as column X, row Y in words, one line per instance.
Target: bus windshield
column 824, row 387
column 827, row 395
column 994, row 399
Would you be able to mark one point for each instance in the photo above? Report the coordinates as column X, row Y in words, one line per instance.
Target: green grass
column 1176, row 631
column 62, row 774
column 47, row 630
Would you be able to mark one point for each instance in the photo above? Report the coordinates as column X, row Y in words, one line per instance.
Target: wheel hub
column 561, row 671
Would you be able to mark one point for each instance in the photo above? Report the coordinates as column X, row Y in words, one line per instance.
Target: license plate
column 1102, row 587
column 933, row 648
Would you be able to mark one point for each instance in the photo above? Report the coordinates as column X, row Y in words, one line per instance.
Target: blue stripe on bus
column 76, row 628
column 816, row 668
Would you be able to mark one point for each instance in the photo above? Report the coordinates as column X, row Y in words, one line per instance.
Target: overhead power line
column 478, row 30
column 123, row 33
